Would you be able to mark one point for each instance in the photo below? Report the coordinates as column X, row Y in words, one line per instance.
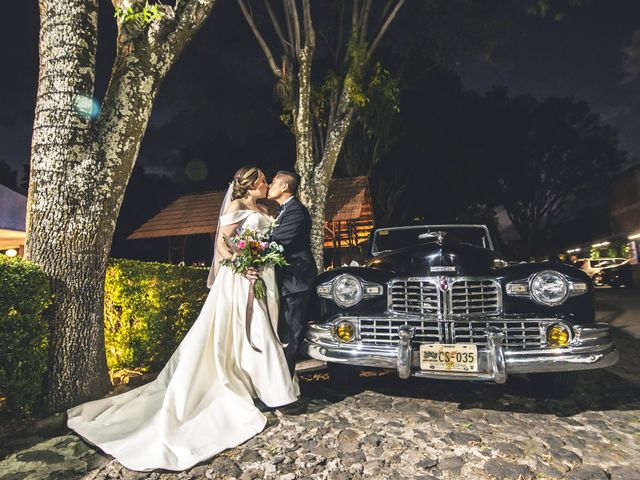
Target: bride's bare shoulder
column 234, row 206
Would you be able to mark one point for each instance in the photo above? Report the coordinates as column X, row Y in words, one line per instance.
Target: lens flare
column 86, row 107
column 196, row 170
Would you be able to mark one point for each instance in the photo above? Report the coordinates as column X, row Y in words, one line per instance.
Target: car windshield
column 601, row 263
column 388, row 239
column 612, row 262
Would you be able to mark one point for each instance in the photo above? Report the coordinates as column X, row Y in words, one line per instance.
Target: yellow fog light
column 558, row 335
column 345, row 331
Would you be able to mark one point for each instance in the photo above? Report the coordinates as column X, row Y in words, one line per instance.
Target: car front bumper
column 592, row 347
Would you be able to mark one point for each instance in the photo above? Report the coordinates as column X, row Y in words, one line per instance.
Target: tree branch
column 265, row 48
column 355, row 12
column 189, row 17
column 276, row 26
column 287, row 18
column 309, row 32
column 340, row 36
column 295, row 21
column 364, row 19
column 384, row 28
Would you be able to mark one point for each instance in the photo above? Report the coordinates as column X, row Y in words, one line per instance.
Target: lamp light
column 558, row 335
column 345, row 331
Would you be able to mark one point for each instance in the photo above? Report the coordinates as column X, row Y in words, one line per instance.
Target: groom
column 296, row 280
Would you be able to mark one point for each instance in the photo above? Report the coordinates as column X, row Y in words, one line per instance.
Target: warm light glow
column 558, row 335
column 574, row 250
column 12, row 252
column 345, row 332
column 634, row 236
column 601, row 244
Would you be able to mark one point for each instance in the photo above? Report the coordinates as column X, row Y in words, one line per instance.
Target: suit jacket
column 293, row 232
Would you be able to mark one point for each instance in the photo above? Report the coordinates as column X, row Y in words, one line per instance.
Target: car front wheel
column 555, row 384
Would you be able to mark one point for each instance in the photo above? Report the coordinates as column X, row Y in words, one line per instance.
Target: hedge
column 24, row 295
column 148, row 309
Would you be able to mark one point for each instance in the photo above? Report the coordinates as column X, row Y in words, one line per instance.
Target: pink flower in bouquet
column 251, row 250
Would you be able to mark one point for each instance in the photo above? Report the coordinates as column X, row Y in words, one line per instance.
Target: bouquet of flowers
column 252, row 248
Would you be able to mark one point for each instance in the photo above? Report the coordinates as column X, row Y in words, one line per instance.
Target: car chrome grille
column 470, row 297
column 519, row 334
column 458, row 313
column 414, row 296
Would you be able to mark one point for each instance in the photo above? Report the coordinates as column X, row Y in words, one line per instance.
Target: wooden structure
column 348, row 218
column 191, row 214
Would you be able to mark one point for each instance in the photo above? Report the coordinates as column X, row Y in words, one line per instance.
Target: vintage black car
column 439, row 301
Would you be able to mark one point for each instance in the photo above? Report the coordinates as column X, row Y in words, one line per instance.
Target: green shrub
column 24, row 294
column 148, row 309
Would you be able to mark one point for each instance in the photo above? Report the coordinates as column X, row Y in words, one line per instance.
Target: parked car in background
column 615, row 275
column 438, row 301
column 592, row 266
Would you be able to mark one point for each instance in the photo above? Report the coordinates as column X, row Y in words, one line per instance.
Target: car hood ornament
column 443, row 284
column 438, row 236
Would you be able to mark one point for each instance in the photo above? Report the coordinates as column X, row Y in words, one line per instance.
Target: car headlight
column 549, row 288
column 346, row 290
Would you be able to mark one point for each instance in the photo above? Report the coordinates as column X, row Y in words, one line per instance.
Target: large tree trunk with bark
column 62, row 235
column 80, row 166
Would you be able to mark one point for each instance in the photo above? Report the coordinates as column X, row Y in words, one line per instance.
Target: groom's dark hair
column 292, row 179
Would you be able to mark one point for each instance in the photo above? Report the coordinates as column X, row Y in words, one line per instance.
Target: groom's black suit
column 296, row 280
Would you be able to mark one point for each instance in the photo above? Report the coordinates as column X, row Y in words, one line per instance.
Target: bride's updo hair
column 244, row 180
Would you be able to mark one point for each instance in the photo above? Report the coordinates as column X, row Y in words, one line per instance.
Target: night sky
column 593, row 54
column 221, row 89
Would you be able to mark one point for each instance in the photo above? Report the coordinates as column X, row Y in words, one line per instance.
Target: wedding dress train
column 201, row 402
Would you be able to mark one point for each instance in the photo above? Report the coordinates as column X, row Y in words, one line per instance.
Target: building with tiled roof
column 348, row 216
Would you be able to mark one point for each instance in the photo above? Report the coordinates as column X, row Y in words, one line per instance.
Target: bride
column 202, row 401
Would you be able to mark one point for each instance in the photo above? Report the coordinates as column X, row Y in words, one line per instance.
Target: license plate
column 460, row 357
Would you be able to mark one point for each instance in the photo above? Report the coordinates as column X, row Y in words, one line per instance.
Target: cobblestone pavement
column 416, row 428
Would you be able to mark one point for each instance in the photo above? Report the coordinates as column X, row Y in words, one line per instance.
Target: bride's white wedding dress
column 201, row 402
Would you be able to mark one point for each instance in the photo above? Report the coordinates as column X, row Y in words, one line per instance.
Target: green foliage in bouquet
column 24, row 295
column 148, row 309
column 252, row 249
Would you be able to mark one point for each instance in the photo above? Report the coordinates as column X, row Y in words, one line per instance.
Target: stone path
column 392, row 429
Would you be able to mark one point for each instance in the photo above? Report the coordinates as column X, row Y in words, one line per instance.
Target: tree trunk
column 61, row 234
column 80, row 166
column 314, row 196
column 317, row 178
